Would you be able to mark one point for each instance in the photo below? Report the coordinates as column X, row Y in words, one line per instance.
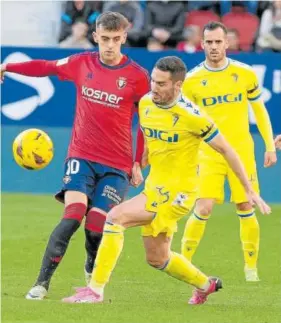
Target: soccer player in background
column 99, row 163
column 173, row 128
column 222, row 87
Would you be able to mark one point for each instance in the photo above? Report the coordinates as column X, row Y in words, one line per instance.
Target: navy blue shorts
column 105, row 186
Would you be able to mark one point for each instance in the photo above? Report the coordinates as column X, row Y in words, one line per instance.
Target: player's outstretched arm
column 222, row 146
column 277, row 142
column 36, row 68
column 265, row 129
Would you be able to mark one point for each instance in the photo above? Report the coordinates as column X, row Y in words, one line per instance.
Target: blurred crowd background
column 155, row 25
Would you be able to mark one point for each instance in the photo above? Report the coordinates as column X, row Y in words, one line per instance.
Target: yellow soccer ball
column 33, row 149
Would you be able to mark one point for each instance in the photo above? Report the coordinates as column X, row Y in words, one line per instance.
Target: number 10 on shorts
column 73, row 166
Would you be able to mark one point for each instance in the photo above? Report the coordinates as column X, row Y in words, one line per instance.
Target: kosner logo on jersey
column 23, row 108
column 101, row 97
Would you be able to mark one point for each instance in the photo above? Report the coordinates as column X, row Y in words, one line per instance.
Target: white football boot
column 37, row 293
column 251, row 275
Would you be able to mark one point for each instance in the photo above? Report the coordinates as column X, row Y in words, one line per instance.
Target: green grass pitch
column 137, row 293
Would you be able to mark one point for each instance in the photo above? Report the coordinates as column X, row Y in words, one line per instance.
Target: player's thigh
column 111, row 190
column 131, row 213
column 238, row 194
column 71, row 197
column 78, row 182
column 211, row 181
column 169, row 209
column 157, row 249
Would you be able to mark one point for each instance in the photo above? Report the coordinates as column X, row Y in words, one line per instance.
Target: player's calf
column 193, row 233
column 56, row 248
column 92, row 243
column 94, row 224
column 157, row 250
column 250, row 239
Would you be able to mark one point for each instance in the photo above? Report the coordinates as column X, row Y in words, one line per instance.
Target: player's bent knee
column 95, row 220
column 158, row 257
column 204, row 208
column 245, row 206
column 157, row 262
column 75, row 211
column 116, row 215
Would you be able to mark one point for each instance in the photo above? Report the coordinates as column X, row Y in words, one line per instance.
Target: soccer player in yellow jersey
column 223, row 87
column 173, row 128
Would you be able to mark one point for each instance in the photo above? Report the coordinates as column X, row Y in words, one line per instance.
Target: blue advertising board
column 49, row 104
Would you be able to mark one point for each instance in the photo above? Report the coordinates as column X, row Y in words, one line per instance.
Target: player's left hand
column 2, row 72
column 277, row 142
column 270, row 158
column 255, row 199
column 137, row 177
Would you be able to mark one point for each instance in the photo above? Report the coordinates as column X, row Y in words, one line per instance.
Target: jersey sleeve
column 142, row 85
column 187, row 89
column 253, row 88
column 139, row 146
column 201, row 125
column 67, row 68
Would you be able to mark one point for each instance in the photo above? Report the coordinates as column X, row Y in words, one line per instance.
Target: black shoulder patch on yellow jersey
column 254, row 89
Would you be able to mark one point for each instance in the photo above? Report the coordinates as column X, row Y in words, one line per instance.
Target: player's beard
column 167, row 99
column 216, row 58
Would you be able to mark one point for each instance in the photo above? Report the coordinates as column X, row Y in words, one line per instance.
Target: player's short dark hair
column 112, row 21
column 213, row 25
column 174, row 65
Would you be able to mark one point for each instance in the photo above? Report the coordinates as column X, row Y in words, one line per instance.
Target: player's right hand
column 270, row 158
column 255, row 199
column 137, row 177
column 277, row 142
column 2, row 71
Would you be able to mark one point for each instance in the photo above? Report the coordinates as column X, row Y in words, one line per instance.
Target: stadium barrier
column 48, row 104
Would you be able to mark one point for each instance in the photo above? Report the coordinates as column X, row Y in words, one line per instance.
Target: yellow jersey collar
column 171, row 104
column 212, row 69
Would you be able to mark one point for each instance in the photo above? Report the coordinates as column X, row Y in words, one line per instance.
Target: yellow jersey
column 173, row 135
column 224, row 94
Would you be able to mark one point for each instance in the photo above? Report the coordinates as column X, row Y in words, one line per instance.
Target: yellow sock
column 108, row 254
column 193, row 233
column 182, row 269
column 250, row 237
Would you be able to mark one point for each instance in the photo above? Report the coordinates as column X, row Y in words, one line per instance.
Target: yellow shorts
column 212, row 175
column 169, row 207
